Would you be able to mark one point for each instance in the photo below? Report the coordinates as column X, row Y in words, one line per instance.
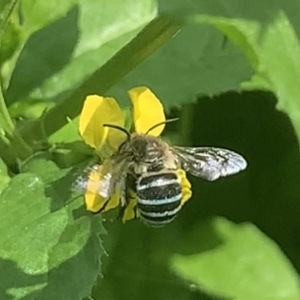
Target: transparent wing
column 209, row 163
column 100, row 179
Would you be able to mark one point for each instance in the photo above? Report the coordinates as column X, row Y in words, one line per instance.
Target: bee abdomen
column 159, row 198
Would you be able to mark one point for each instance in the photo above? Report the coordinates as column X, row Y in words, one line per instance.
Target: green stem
column 7, row 10
column 12, row 146
column 186, row 123
column 6, row 122
column 153, row 36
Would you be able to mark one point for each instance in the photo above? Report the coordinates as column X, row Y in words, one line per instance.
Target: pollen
column 185, row 186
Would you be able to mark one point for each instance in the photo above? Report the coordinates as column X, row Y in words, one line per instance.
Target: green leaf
column 136, row 267
column 12, row 146
column 245, row 265
column 44, row 13
column 50, row 246
column 68, row 133
column 86, row 34
column 71, row 154
column 10, row 42
column 145, row 43
column 268, row 35
column 6, row 8
column 196, row 61
column 28, row 109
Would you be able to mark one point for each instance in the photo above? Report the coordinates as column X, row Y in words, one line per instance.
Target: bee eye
column 138, row 157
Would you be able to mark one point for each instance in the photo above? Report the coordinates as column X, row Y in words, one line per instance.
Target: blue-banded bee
column 153, row 171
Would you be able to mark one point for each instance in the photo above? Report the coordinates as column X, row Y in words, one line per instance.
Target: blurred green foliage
column 229, row 70
column 267, row 195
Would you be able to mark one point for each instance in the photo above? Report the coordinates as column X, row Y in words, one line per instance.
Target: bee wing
column 99, row 179
column 209, row 163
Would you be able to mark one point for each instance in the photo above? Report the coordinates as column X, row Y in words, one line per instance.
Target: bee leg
column 131, row 183
column 132, row 196
column 136, row 213
column 123, row 193
column 123, row 201
column 131, row 199
column 130, row 211
column 121, row 213
column 128, row 199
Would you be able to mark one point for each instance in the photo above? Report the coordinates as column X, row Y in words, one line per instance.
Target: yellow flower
column 97, row 111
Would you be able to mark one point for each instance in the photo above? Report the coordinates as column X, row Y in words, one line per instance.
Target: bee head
column 143, row 151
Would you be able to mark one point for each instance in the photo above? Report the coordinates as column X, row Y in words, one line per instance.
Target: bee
column 148, row 167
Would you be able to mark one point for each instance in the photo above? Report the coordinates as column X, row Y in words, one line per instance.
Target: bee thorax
column 145, row 154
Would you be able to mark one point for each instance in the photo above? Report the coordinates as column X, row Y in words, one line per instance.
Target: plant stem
column 7, row 10
column 153, row 36
column 186, row 123
column 12, row 146
column 6, row 122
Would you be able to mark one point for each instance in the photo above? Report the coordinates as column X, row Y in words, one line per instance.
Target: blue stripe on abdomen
column 159, row 198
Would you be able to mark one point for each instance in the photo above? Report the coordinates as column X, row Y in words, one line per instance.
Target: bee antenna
column 161, row 123
column 119, row 128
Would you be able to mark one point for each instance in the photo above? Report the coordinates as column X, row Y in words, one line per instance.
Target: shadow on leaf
column 45, row 53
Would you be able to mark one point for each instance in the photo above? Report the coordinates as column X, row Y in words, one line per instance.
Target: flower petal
column 97, row 111
column 95, row 203
column 147, row 111
column 185, row 186
column 129, row 212
column 130, row 209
